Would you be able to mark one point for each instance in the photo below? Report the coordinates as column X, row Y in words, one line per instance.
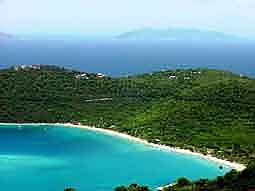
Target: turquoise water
column 53, row 157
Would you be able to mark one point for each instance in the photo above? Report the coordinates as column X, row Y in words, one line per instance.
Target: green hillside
column 232, row 181
column 206, row 110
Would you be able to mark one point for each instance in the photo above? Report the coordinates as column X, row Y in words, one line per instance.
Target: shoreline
column 233, row 165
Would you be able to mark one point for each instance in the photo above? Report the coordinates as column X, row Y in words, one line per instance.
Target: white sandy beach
column 232, row 165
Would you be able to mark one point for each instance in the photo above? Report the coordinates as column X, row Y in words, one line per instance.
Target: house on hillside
column 35, row 67
column 82, row 76
column 196, row 72
column 172, row 77
column 76, row 123
column 100, row 75
column 27, row 67
column 112, row 127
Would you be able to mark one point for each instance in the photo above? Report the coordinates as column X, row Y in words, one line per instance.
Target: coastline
column 233, row 165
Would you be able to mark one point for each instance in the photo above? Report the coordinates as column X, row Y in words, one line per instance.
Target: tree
column 69, row 189
column 132, row 187
column 220, row 182
column 120, row 188
column 183, row 181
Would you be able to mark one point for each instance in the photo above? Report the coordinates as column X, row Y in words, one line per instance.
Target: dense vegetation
column 232, row 181
column 132, row 187
column 206, row 110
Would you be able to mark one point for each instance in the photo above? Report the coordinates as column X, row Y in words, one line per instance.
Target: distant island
column 177, row 34
column 5, row 36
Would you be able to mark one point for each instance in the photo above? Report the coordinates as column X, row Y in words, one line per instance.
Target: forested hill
column 207, row 110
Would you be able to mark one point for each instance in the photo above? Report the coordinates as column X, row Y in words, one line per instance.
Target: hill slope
column 206, row 110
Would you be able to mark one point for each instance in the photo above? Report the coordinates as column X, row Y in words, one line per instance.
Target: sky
column 102, row 17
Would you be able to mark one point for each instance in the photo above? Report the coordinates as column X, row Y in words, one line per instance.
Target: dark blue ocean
column 122, row 57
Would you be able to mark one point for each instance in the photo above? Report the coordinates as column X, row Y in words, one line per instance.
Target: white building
column 82, row 76
column 27, row 67
column 100, row 75
column 172, row 77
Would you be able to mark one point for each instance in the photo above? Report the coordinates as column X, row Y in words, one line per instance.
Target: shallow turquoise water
column 53, row 157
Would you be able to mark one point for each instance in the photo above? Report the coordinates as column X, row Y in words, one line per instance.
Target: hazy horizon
column 174, row 34
column 107, row 18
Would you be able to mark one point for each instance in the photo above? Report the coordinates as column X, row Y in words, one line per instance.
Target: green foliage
column 69, row 189
column 121, row 188
column 132, row 187
column 183, row 182
column 202, row 110
column 232, row 181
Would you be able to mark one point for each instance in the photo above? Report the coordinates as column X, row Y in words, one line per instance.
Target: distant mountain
column 4, row 36
column 176, row 34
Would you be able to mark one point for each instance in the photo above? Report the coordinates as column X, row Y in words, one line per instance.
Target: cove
column 50, row 157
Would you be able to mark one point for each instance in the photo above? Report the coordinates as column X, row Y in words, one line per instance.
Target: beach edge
column 233, row 165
